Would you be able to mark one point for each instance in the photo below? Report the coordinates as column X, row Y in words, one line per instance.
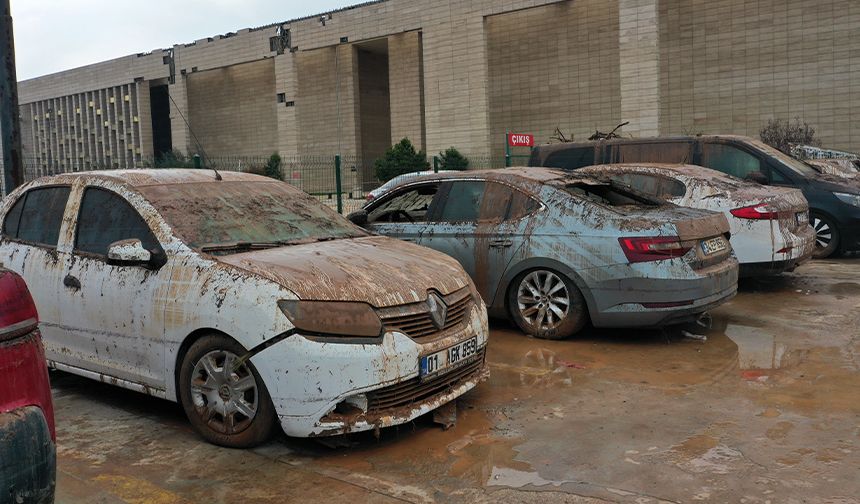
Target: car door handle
column 501, row 243
column 72, row 282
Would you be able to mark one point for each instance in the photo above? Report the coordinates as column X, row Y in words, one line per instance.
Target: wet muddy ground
column 767, row 410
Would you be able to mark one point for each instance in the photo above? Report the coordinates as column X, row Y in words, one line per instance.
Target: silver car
column 553, row 250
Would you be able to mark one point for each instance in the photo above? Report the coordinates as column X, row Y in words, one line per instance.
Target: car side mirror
column 359, row 218
column 757, row 177
column 128, row 253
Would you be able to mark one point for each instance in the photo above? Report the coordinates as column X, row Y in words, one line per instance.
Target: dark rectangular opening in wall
column 374, row 103
column 162, row 141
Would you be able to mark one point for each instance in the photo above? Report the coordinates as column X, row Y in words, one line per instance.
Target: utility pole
column 10, row 128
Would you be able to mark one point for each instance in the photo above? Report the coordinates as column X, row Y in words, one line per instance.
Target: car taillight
column 17, row 311
column 652, row 248
column 761, row 211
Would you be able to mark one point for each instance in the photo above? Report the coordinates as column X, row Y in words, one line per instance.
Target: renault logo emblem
column 438, row 310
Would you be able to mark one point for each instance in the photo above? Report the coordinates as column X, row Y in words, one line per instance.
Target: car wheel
column 547, row 305
column 826, row 236
column 224, row 398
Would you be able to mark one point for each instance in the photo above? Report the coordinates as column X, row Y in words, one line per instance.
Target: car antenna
column 199, row 145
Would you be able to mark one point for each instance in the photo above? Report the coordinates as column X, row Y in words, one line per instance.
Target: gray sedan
column 555, row 250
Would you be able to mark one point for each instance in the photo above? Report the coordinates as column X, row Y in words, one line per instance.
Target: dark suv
column 834, row 202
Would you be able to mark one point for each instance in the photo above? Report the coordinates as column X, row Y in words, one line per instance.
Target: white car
column 379, row 191
column 769, row 225
column 244, row 299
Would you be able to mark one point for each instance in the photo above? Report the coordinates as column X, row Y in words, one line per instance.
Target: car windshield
column 231, row 217
column 797, row 166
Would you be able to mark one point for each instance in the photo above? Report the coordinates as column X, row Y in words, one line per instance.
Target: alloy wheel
column 823, row 233
column 224, row 392
column 543, row 299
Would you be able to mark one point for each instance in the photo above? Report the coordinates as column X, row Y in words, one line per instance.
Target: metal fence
column 340, row 181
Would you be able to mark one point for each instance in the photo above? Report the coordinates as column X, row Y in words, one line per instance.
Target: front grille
column 415, row 391
column 414, row 320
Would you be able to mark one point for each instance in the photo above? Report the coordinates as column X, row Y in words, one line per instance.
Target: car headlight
column 851, row 199
column 332, row 318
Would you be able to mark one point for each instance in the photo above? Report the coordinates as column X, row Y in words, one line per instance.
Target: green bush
column 782, row 135
column 399, row 159
column 273, row 167
column 174, row 159
column 452, row 160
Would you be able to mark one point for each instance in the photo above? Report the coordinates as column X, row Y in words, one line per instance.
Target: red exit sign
column 521, row 140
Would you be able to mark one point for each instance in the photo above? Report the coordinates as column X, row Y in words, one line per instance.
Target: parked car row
column 834, row 202
column 256, row 307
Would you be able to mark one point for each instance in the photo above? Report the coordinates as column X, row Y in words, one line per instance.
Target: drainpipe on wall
column 10, row 127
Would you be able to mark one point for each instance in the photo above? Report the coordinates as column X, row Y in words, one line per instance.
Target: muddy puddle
column 617, row 414
column 764, row 409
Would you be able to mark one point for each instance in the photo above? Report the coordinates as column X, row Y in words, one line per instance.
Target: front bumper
column 626, row 301
column 322, row 388
column 28, row 465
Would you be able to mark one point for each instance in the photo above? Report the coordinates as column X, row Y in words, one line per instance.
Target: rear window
column 36, row 217
column 463, row 202
column 730, row 160
column 610, row 195
column 654, row 185
column 571, row 159
column 504, row 203
column 652, row 152
column 105, row 218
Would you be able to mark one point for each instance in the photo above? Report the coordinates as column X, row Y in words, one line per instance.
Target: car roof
column 523, row 176
column 681, row 169
column 160, row 176
column 645, row 140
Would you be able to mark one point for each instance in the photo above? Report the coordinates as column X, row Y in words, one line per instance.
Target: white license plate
column 448, row 358
column 802, row 218
column 714, row 245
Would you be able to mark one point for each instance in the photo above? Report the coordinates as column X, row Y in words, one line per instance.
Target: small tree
column 452, row 160
column 782, row 135
column 273, row 167
column 401, row 158
column 174, row 159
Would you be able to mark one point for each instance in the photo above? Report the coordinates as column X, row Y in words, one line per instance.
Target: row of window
column 104, row 218
column 461, row 201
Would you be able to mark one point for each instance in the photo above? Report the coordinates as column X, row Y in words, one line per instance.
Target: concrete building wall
column 375, row 109
column 232, row 109
column 553, row 67
column 731, row 65
column 461, row 73
column 327, row 104
column 406, row 87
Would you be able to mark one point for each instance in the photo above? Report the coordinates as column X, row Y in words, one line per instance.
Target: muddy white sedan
column 244, row 299
column 769, row 224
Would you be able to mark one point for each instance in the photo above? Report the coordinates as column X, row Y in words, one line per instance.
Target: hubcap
column 224, row 393
column 543, row 299
column 823, row 233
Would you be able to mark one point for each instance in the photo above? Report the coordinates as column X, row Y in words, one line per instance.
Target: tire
column 826, row 236
column 232, row 410
column 554, row 297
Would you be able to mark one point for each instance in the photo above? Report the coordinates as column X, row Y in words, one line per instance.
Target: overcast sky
column 54, row 35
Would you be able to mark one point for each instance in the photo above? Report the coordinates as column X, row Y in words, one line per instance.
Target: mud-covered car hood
column 377, row 270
